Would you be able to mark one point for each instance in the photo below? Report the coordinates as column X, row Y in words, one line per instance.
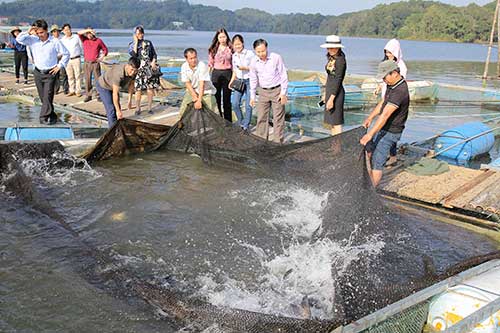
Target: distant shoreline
column 407, row 20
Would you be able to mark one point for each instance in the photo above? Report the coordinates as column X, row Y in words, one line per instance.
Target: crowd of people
column 233, row 74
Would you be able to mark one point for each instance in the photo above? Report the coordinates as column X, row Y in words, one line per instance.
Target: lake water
column 236, row 238
column 456, row 63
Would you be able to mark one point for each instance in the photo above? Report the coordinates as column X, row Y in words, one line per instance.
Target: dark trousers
column 107, row 99
column 45, row 84
column 62, row 80
column 91, row 69
column 21, row 58
column 220, row 79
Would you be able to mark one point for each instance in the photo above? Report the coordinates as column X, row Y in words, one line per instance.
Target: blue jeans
column 107, row 99
column 383, row 143
column 236, row 103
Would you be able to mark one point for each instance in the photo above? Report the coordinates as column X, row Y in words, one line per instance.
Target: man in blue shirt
column 45, row 52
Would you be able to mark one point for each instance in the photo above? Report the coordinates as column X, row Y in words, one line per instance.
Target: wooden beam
column 466, row 187
column 492, row 34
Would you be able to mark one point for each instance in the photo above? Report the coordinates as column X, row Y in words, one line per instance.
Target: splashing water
column 61, row 169
column 303, row 275
column 289, row 207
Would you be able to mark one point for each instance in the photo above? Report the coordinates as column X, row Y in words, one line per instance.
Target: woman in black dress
column 334, row 90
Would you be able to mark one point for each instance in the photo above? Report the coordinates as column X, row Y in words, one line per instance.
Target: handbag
column 239, row 85
column 156, row 73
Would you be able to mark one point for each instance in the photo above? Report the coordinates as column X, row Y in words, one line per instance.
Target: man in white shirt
column 199, row 87
column 45, row 52
column 73, row 70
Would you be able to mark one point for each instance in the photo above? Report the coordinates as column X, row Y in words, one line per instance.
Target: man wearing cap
column 73, row 71
column 94, row 50
column 20, row 55
column 45, row 52
column 55, row 31
column 268, row 75
column 392, row 112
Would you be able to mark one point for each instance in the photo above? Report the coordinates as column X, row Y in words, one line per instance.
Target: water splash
column 61, row 169
column 303, row 272
column 286, row 206
column 300, row 280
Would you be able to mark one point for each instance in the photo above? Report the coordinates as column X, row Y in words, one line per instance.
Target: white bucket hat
column 332, row 42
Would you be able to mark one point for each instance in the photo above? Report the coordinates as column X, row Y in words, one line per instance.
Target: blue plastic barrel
column 466, row 150
column 38, row 133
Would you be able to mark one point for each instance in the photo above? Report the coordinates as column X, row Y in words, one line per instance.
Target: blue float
column 38, row 133
column 464, row 151
column 171, row 73
column 303, row 89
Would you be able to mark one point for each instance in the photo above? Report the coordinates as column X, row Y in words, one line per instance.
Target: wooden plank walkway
column 460, row 189
column 162, row 113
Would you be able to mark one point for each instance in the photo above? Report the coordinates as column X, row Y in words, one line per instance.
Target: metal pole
column 485, row 74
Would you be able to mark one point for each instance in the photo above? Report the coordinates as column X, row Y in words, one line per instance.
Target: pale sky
column 325, row 7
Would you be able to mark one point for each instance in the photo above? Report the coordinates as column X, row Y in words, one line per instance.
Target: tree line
column 414, row 19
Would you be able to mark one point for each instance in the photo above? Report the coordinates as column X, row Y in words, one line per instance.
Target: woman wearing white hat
column 334, row 90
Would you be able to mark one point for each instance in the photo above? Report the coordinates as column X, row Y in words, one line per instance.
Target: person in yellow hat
column 20, row 55
column 55, row 31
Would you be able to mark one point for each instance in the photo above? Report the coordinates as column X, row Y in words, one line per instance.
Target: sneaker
column 17, row 81
column 70, row 94
column 26, row 82
column 87, row 99
column 150, row 112
column 137, row 112
column 78, row 94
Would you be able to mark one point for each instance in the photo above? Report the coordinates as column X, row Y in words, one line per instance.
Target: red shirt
column 92, row 48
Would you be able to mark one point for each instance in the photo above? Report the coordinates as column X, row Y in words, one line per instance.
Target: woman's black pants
column 220, row 79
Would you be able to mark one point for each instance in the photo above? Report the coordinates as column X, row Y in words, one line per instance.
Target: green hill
column 414, row 19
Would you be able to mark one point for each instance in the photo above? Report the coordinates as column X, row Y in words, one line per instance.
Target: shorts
column 381, row 146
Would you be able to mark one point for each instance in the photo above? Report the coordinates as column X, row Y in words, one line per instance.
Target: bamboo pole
column 492, row 34
column 498, row 39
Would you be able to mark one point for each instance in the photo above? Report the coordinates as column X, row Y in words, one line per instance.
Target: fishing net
column 335, row 165
column 353, row 213
column 127, row 137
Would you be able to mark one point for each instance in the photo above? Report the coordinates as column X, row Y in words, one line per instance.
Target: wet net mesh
column 353, row 211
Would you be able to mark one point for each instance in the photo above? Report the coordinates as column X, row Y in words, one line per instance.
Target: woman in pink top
column 220, row 55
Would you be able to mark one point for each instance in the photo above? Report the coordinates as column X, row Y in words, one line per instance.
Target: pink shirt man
column 268, row 74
